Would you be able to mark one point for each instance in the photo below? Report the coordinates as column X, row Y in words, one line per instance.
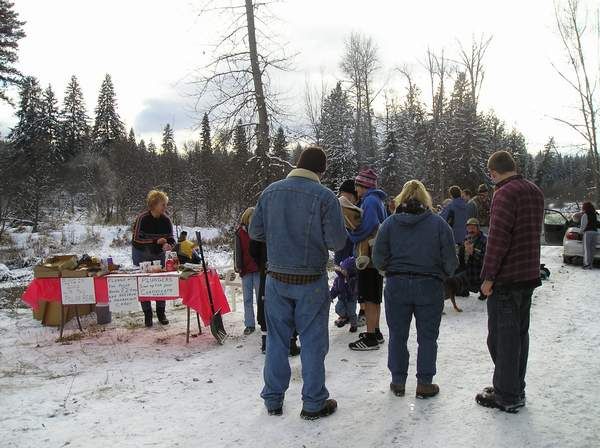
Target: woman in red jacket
column 247, row 268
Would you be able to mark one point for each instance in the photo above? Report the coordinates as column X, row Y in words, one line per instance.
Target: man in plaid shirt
column 511, row 271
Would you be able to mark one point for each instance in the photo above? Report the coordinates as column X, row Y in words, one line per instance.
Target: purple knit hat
column 366, row 178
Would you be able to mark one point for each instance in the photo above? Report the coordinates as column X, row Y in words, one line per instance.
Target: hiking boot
column 341, row 321
column 248, row 330
column 162, row 318
column 353, row 329
column 427, row 390
column 294, row 349
column 487, row 399
column 378, row 336
column 328, row 408
column 263, row 347
column 365, row 343
column 397, row 389
column 275, row 412
column 148, row 318
column 361, row 321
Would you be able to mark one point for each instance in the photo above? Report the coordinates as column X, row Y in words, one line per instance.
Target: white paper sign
column 77, row 291
column 158, row 286
column 123, row 294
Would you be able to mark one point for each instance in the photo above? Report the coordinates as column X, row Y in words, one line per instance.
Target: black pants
column 160, row 307
column 508, row 341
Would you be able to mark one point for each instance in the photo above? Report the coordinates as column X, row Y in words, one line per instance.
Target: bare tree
column 472, row 60
column 236, row 83
column 313, row 104
column 572, row 25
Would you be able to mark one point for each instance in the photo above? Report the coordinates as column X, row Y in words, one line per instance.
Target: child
column 352, row 219
column 345, row 289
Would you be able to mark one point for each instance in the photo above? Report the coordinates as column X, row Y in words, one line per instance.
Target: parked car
column 556, row 224
column 573, row 243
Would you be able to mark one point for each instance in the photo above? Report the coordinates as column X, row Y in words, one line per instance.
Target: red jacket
column 248, row 265
column 512, row 255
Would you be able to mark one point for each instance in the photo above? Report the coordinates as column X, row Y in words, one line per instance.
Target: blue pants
column 304, row 308
column 250, row 285
column 346, row 308
column 422, row 297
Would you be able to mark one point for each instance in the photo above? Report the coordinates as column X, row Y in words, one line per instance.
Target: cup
column 145, row 266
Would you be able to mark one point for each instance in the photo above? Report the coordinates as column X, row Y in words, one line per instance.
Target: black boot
column 162, row 318
column 294, row 349
column 148, row 318
column 263, row 347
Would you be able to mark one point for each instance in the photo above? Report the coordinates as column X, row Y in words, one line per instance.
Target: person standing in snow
column 455, row 214
column 300, row 221
column 511, row 272
column 370, row 282
column 152, row 237
column 479, row 207
column 247, row 268
column 352, row 214
column 415, row 248
column 589, row 228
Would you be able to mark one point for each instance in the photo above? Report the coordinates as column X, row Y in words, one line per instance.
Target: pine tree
column 391, row 176
column 206, row 139
column 336, row 129
column 108, row 127
column 280, row 145
column 11, row 31
column 50, row 123
column 168, row 140
column 74, row 129
column 131, row 138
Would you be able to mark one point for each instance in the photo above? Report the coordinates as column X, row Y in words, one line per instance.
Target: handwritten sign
column 158, row 286
column 123, row 294
column 77, row 291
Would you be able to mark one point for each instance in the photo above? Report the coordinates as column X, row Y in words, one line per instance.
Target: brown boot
column 397, row 389
column 427, row 390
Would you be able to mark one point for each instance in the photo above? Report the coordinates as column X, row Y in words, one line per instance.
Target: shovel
column 216, row 322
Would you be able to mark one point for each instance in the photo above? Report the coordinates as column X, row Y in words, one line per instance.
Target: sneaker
column 328, row 408
column 366, row 343
column 275, row 412
column 427, row 390
column 487, row 399
column 378, row 336
column 248, row 330
column 353, row 329
column 341, row 321
column 397, row 389
column 162, row 318
column 361, row 321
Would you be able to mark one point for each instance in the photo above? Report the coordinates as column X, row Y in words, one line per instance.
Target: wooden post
column 187, row 333
column 62, row 319
column 199, row 325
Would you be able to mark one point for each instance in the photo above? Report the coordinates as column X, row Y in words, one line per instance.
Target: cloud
column 157, row 112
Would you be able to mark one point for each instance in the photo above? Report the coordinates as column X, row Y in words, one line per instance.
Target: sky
column 153, row 48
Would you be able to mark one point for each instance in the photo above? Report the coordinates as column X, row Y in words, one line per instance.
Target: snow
column 124, row 385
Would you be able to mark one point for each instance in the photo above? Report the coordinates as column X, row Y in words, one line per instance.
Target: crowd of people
column 487, row 244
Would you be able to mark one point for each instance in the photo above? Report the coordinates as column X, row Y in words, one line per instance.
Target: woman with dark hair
column 415, row 249
column 589, row 227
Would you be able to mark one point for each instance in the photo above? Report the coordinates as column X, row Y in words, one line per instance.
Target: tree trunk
column 262, row 145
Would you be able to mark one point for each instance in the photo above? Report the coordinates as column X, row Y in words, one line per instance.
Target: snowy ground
column 124, row 385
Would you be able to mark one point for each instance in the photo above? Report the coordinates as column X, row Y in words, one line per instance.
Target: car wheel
column 567, row 260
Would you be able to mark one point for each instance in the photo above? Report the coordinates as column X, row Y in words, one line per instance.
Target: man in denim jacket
column 300, row 221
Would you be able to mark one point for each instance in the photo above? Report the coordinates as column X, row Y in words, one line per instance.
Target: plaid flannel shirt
column 512, row 255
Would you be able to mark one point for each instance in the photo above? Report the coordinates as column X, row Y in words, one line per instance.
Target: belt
column 295, row 279
column 412, row 274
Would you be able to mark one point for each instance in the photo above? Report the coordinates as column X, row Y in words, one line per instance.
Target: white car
column 573, row 244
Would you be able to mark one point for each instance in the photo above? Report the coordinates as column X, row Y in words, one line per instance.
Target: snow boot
column 341, row 321
column 427, row 390
column 487, row 399
column 162, row 318
column 328, row 408
column 275, row 412
column 294, row 349
column 398, row 389
column 148, row 318
column 248, row 330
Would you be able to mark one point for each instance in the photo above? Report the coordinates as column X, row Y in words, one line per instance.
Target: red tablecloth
column 192, row 291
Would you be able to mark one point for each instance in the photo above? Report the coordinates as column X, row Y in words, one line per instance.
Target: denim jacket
column 299, row 220
column 415, row 243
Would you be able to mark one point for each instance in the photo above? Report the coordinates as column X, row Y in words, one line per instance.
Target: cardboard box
column 77, row 273
column 52, row 267
column 49, row 312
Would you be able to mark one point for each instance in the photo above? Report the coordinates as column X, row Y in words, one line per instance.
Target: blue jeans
column 304, row 308
column 422, row 297
column 346, row 308
column 250, row 285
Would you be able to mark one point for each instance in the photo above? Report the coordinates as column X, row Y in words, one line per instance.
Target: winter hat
column 473, row 222
column 313, row 159
column 482, row 189
column 348, row 187
column 366, row 178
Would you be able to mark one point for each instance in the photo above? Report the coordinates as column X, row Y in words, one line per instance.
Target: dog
column 452, row 287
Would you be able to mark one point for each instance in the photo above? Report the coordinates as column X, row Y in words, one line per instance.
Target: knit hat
column 473, row 222
column 366, row 178
column 348, row 187
column 313, row 159
column 482, row 189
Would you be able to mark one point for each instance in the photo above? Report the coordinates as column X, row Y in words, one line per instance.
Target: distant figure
column 479, row 207
column 415, row 248
column 246, row 266
column 186, row 249
column 152, row 237
column 511, row 272
column 589, row 228
column 455, row 214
